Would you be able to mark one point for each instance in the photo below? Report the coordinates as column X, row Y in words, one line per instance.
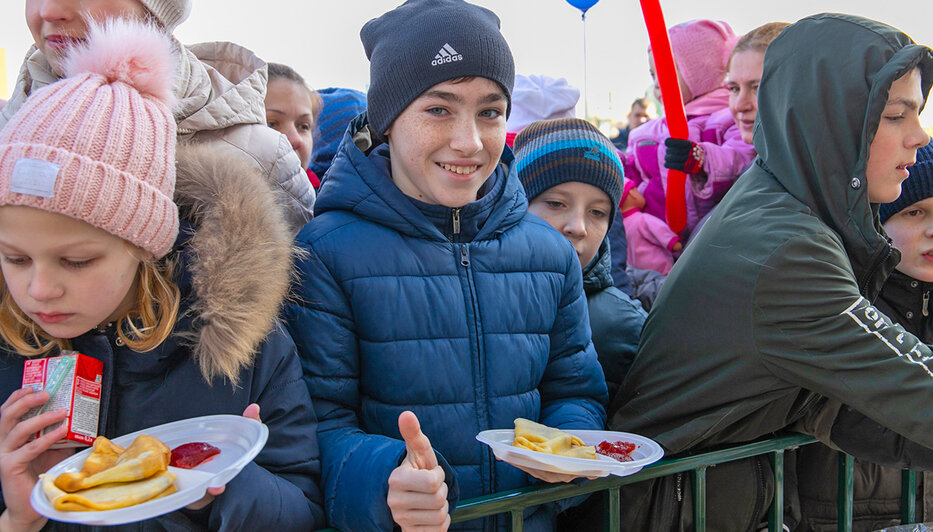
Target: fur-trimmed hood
column 235, row 260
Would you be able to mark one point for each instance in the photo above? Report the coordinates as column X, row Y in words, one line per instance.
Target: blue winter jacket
column 279, row 489
column 468, row 317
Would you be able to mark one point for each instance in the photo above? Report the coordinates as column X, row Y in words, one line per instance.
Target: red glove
column 684, row 155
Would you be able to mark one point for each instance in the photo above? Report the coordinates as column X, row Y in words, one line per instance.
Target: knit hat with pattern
column 917, row 187
column 338, row 107
column 425, row 42
column 169, row 13
column 551, row 152
column 99, row 145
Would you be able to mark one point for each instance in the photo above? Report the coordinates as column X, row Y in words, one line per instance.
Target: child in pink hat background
column 715, row 154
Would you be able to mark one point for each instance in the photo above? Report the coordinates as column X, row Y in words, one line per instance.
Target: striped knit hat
column 338, row 107
column 551, row 152
column 917, row 187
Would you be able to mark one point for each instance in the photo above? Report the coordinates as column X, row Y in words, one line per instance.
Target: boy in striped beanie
column 573, row 179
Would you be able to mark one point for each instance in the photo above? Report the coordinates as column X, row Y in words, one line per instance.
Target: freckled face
column 447, row 142
column 56, row 25
column 899, row 135
column 580, row 211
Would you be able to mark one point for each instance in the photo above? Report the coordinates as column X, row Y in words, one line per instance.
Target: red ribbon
column 675, row 202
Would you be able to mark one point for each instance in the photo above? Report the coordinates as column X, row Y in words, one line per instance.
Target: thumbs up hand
column 417, row 491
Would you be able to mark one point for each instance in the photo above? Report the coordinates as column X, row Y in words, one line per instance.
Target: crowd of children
column 476, row 255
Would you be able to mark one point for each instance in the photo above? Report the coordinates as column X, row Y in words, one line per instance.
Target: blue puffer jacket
column 468, row 324
column 279, row 489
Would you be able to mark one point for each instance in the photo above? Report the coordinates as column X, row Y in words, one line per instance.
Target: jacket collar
column 597, row 275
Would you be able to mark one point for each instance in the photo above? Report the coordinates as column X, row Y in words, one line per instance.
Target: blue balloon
column 582, row 5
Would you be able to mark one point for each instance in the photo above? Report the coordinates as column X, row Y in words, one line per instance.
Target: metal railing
column 513, row 502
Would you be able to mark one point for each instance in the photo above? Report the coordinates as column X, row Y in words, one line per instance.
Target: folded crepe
column 143, row 459
column 109, row 496
column 544, row 439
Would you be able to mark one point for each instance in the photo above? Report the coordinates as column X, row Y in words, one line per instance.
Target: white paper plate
column 239, row 439
column 646, row 452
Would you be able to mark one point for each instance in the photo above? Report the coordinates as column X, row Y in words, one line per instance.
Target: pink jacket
column 650, row 241
column 711, row 125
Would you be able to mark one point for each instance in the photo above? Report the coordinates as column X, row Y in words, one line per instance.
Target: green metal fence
column 513, row 502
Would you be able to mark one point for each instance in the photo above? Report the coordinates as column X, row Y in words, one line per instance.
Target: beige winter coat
column 220, row 92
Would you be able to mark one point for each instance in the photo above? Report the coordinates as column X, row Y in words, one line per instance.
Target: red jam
column 190, row 455
column 620, row 450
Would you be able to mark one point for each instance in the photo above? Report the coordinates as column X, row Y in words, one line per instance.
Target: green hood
column 769, row 308
column 816, row 123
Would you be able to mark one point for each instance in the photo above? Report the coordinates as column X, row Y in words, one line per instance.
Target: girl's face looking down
column 912, row 233
column 578, row 210
column 56, row 25
column 290, row 112
column 742, row 83
column 448, row 141
column 66, row 275
column 899, row 134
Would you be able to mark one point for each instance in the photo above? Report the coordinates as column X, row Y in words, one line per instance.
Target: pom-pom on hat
column 425, row 42
column 99, row 144
column 551, row 152
column 917, row 187
column 169, row 13
column 338, row 107
column 540, row 98
column 701, row 50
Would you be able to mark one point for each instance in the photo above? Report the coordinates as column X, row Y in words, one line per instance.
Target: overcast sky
column 320, row 38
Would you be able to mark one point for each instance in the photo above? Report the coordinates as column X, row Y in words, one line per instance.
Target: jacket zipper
column 926, row 303
column 760, row 495
column 481, row 369
column 871, row 272
column 455, row 216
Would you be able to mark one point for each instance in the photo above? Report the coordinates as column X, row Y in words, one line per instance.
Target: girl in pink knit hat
column 95, row 257
column 219, row 93
column 715, row 154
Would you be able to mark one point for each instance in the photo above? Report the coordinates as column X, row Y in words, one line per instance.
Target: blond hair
column 143, row 328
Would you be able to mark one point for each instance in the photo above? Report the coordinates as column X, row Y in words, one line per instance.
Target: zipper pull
column 456, row 219
column 464, row 257
column 926, row 303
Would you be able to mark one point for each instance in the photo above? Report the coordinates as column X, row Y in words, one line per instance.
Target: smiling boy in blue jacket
column 428, row 287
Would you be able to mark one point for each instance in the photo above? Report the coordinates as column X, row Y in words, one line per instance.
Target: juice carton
column 74, row 381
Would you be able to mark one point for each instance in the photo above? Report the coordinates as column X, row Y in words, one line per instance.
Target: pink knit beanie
column 701, row 51
column 99, row 145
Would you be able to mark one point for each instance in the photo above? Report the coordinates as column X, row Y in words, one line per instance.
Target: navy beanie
column 338, row 107
column 917, row 187
column 551, row 152
column 425, row 42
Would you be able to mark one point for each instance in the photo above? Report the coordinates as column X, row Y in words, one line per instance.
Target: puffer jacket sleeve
column 356, row 465
column 573, row 389
column 292, row 181
column 815, row 331
column 279, row 490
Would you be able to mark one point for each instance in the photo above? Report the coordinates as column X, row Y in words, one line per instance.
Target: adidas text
column 447, row 54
